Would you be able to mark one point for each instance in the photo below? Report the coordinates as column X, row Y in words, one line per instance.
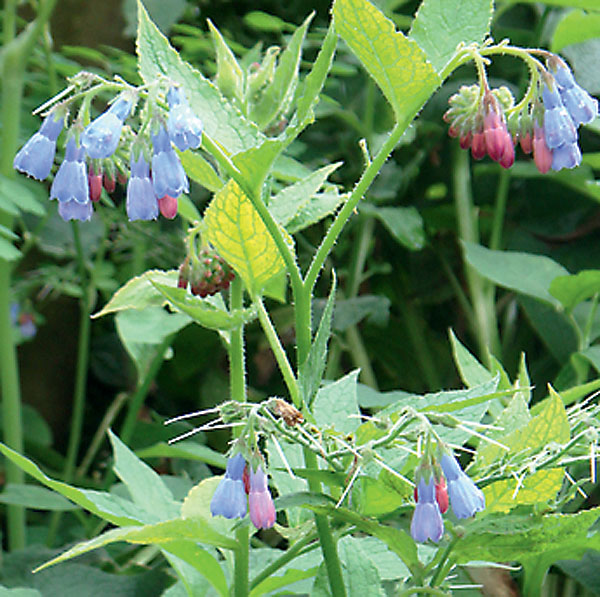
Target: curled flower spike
column 427, row 519
column 168, row 175
column 141, row 200
column 229, row 499
column 36, row 157
column 101, row 137
column 71, row 181
column 185, row 128
column 582, row 108
column 466, row 498
column 262, row 509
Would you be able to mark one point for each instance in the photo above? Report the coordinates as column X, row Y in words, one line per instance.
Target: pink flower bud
column 95, row 184
column 262, row 509
column 109, row 182
column 508, row 152
column 478, row 149
column 465, row 140
column 526, row 142
column 542, row 155
column 168, row 206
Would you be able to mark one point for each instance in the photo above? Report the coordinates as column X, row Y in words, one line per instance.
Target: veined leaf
column 279, row 93
column 235, row 228
column 440, row 25
column 397, row 64
column 336, row 402
column 222, row 121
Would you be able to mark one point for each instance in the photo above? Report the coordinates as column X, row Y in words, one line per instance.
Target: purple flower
column 185, row 128
column 582, row 108
column 141, row 200
column 72, row 210
column 262, row 509
column 36, row 157
column 427, row 520
column 558, row 126
column 168, row 175
column 466, row 498
column 101, row 136
column 566, row 156
column 229, row 499
column 71, row 181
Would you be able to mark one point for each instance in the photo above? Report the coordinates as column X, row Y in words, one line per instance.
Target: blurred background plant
column 418, row 259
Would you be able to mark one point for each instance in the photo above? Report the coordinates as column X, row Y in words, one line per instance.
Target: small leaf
column 222, row 122
column 349, row 312
column 234, row 227
column 441, row 25
column 200, row 171
column 573, row 289
column 522, row 272
column 187, row 210
column 405, row 224
column 335, row 402
column 279, row 92
column 262, row 21
column 8, row 251
column 185, row 450
column 317, row 208
column 397, row 64
column 230, row 79
column 472, row 372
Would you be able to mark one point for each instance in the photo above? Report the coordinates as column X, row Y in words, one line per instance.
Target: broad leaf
column 440, row 25
column 336, row 402
column 574, row 27
column 222, row 122
column 405, row 224
column 317, row 208
column 18, row 192
column 33, row 496
column 200, row 171
column 397, row 64
column 571, row 290
column 235, row 228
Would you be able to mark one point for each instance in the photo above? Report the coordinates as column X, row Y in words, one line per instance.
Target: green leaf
column 235, row 228
column 522, row 272
column 311, row 371
column 405, row 224
column 583, row 57
column 293, row 199
column 262, row 21
column 440, row 25
column 186, row 450
column 585, row 4
column 19, row 592
column 254, row 164
column 335, row 402
column 397, row 64
column 8, row 251
column 163, row 14
column 573, row 289
column 140, row 292
column 144, row 485
column 209, row 312
column 230, row 79
column 374, row 497
column 361, row 573
column 8, row 233
column 348, row 312
column 187, row 210
column 314, row 81
column 472, row 372
column 160, row 533
column 222, row 122
column 107, row 506
column 317, row 208
column 35, row 497
column 278, row 94
column 19, row 193
column 200, row 171
column 574, row 27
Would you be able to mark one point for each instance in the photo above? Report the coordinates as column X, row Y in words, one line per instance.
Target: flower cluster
column 545, row 123
column 433, row 492
column 206, row 273
column 241, row 480
column 155, row 182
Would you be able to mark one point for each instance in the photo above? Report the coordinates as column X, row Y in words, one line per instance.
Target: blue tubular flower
column 582, row 108
column 262, row 509
column 36, row 157
column 71, row 181
column 466, row 498
column 72, row 210
column 102, row 135
column 427, row 519
column 168, row 175
column 229, row 499
column 566, row 156
column 558, row 126
column 185, row 128
column 141, row 200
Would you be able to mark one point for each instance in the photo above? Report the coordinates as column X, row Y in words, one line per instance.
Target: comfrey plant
column 343, row 469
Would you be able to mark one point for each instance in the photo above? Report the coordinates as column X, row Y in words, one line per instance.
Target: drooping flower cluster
column 241, row 480
column 545, row 123
column 433, row 492
column 89, row 163
column 207, row 273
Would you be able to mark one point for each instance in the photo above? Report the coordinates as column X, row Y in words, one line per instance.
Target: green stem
column 439, row 574
column 240, row 565
column 279, row 352
column 486, row 328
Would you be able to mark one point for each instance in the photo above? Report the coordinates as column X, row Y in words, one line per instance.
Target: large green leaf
column 522, row 272
column 222, row 122
column 336, row 402
column 571, row 290
column 397, row 64
column 575, row 27
column 440, row 25
column 405, row 224
column 33, row 496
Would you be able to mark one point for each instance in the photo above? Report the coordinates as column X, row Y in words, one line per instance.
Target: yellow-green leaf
column 397, row 64
column 235, row 228
column 538, row 488
column 200, row 171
